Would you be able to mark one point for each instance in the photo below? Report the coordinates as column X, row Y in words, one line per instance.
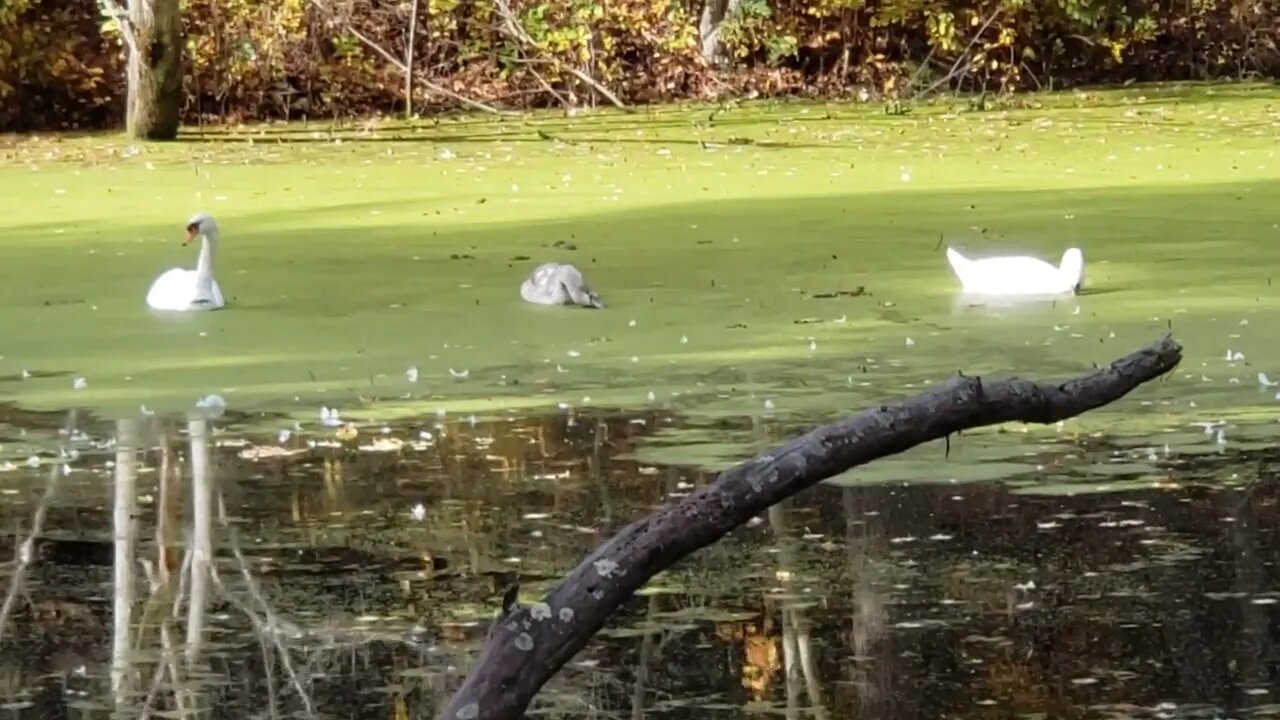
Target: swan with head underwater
column 182, row 290
column 1018, row 275
column 559, row 284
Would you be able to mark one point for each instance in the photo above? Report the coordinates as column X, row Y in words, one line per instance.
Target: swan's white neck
column 204, row 265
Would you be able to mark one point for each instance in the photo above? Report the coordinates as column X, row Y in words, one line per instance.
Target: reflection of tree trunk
column 271, row 629
column 868, row 617
column 596, row 466
column 167, row 494
column 797, row 645
column 26, row 551
column 124, row 529
column 201, row 534
column 1187, row 651
column 1254, row 644
column 791, row 680
column 786, row 563
column 25, row 556
column 334, row 485
column 808, row 664
column 646, row 657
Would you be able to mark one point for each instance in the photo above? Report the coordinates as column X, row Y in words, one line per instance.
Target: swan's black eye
column 193, row 227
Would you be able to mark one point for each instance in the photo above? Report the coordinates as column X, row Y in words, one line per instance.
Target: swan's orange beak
column 192, row 231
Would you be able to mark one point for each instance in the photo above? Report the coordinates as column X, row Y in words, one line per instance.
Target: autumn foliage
column 61, row 61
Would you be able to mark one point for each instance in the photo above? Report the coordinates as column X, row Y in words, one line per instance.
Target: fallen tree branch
column 590, row 82
column 564, row 102
column 512, row 27
column 404, row 69
column 530, row 644
column 951, row 73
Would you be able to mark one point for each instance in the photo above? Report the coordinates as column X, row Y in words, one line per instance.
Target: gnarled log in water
column 532, row 643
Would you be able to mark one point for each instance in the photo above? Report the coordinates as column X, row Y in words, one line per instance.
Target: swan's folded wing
column 173, row 290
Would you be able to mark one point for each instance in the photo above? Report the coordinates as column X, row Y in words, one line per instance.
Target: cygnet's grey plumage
column 559, row 284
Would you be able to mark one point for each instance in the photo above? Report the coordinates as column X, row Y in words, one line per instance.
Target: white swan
column 189, row 290
column 559, row 284
column 1018, row 274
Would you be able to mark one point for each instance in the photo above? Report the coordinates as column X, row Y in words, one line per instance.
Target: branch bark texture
column 528, row 646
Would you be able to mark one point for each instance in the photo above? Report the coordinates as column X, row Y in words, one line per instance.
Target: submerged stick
column 528, row 646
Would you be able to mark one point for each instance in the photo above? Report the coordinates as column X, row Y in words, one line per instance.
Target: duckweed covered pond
column 783, row 253
column 772, row 268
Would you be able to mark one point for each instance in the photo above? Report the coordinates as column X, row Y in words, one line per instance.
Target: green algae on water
column 798, row 273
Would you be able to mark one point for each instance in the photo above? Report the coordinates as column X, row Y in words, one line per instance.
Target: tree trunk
column 530, row 644
column 714, row 13
column 408, row 59
column 155, row 69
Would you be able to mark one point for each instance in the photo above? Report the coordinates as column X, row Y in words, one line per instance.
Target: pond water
column 378, row 571
column 773, row 268
column 788, row 253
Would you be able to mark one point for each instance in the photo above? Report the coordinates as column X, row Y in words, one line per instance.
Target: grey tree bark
column 714, row 13
column 411, row 38
column 530, row 644
column 152, row 31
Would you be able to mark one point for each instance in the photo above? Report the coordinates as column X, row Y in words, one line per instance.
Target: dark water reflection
column 360, row 583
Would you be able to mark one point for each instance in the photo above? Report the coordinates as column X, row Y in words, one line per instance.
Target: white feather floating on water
column 213, row 403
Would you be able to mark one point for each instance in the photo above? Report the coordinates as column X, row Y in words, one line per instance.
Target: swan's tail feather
column 581, row 294
column 959, row 263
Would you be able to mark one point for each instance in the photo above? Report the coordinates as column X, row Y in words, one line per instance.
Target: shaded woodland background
column 62, row 61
